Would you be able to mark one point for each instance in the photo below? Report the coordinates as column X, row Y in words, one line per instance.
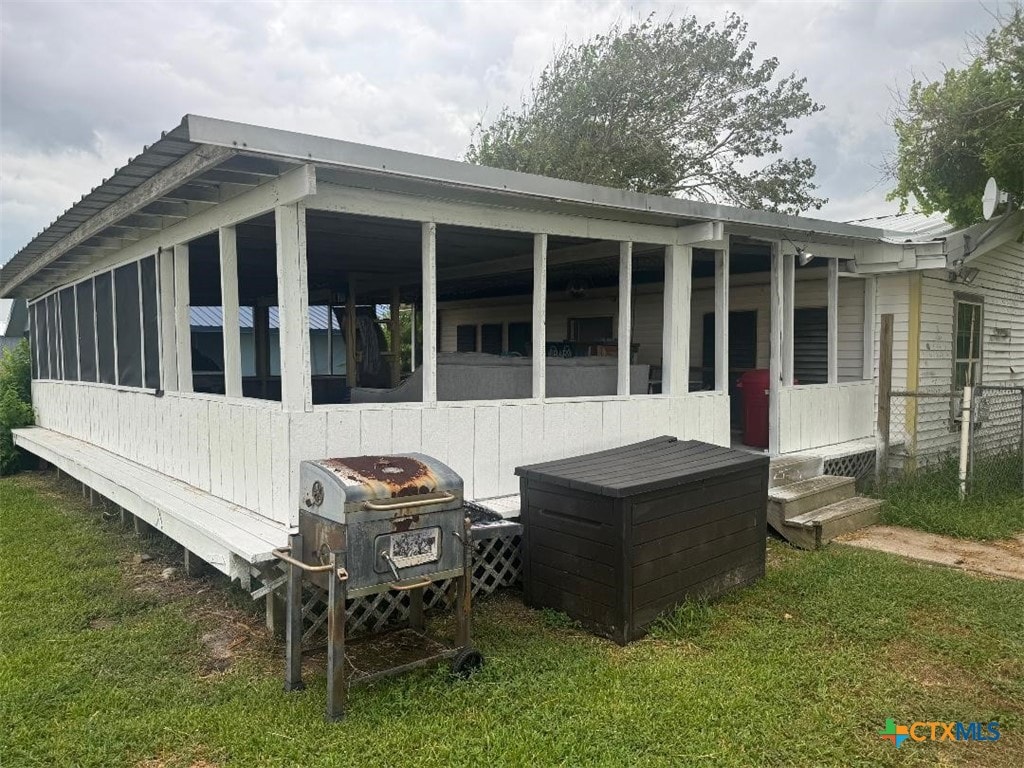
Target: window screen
column 69, row 333
column 465, row 338
column 150, row 323
column 107, row 372
column 129, row 328
column 490, row 338
column 53, row 335
column 86, row 332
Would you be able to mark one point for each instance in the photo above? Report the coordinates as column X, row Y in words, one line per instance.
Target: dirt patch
column 1001, row 559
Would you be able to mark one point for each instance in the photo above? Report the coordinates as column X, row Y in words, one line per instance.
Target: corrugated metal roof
column 240, row 144
column 212, row 317
column 918, row 224
column 172, row 146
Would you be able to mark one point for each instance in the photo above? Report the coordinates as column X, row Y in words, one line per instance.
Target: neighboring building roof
column 919, row 224
column 212, row 317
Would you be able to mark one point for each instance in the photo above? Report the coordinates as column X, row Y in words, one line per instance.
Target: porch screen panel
column 150, row 323
column 53, row 336
column 33, row 336
column 42, row 329
column 129, row 328
column 106, row 371
column 69, row 333
column 86, row 332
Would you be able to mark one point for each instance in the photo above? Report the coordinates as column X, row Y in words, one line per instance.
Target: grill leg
column 293, row 625
column 464, row 593
column 336, row 683
column 416, row 619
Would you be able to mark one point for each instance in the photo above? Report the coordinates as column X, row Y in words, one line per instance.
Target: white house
column 653, row 306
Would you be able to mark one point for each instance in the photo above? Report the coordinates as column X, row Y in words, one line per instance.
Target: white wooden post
column 540, row 308
column 229, row 312
column 182, row 321
column 293, row 307
column 778, row 309
column 429, row 242
column 870, row 288
column 625, row 315
column 722, row 319
column 789, row 301
column 412, row 338
column 833, row 321
column 675, row 372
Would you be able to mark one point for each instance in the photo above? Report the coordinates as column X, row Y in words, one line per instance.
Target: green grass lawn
column 100, row 668
column 929, row 500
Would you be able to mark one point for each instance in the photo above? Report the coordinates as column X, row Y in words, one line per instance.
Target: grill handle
column 402, row 503
column 406, row 587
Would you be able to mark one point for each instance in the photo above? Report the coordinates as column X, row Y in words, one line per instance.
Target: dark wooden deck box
column 615, row 538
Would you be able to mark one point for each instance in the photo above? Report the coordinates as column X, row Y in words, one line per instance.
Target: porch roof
column 205, row 161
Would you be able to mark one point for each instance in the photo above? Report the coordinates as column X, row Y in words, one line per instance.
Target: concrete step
column 812, row 530
column 792, row 468
column 807, row 495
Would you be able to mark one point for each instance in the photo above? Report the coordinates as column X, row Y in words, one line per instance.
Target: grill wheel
column 466, row 662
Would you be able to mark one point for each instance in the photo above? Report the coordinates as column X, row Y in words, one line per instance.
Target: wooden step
column 807, row 495
column 812, row 530
column 793, row 468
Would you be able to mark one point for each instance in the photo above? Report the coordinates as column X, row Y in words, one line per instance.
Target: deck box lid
column 651, row 465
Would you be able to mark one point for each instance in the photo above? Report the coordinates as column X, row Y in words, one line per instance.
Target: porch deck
column 227, row 536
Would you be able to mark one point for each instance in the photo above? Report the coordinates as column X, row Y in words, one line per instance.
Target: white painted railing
column 816, row 415
column 248, row 451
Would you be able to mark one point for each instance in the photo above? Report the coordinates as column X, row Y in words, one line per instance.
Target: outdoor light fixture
column 960, row 274
column 803, row 256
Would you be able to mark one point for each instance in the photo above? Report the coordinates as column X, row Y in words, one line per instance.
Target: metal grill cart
column 370, row 524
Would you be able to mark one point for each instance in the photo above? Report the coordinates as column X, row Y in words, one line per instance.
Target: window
column 590, row 329
column 150, row 323
column 520, row 339
column 490, row 338
column 129, row 325
column 465, row 338
column 967, row 342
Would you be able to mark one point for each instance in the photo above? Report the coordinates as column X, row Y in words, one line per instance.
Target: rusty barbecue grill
column 370, row 524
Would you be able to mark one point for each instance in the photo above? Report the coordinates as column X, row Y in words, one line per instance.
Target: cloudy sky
column 85, row 84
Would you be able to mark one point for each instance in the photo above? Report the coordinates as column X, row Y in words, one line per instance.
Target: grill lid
column 393, row 476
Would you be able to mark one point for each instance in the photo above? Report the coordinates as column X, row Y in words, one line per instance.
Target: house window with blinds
column 967, row 338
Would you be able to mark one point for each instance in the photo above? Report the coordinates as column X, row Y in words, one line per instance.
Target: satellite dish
column 992, row 198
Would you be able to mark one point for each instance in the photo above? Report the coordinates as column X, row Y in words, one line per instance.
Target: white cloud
column 85, row 85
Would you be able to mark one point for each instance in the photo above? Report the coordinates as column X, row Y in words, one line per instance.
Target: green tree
column 15, row 402
column 956, row 132
column 673, row 108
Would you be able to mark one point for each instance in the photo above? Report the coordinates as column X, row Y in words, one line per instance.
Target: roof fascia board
column 291, row 187
column 274, row 142
column 191, row 165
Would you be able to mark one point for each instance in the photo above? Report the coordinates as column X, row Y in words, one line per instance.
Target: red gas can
column 753, row 386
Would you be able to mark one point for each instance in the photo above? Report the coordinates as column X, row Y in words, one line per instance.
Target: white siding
column 811, row 291
column 1000, row 284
